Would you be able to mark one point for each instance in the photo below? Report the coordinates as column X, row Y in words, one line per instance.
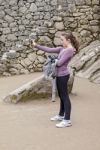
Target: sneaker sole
column 64, row 126
column 57, row 120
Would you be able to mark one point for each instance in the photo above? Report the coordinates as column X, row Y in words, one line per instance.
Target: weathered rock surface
column 38, row 88
column 87, row 62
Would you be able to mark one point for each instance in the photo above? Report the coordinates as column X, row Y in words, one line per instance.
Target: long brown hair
column 74, row 41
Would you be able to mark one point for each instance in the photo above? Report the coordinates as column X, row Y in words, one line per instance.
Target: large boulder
column 87, row 62
column 37, row 88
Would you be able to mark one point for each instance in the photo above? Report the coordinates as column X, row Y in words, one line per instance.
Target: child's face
column 64, row 41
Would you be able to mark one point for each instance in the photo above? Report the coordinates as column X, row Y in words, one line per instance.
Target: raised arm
column 48, row 49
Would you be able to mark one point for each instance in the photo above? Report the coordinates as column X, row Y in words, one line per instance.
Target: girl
column 69, row 47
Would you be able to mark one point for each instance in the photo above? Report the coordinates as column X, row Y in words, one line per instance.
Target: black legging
column 65, row 104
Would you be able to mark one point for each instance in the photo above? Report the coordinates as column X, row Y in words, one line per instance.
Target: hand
column 56, row 61
column 34, row 43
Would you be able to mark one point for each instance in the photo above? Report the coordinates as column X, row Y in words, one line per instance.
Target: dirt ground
column 27, row 126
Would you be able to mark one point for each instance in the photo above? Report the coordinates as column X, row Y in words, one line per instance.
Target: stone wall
column 46, row 19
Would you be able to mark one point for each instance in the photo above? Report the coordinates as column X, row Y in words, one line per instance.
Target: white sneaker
column 57, row 118
column 63, row 124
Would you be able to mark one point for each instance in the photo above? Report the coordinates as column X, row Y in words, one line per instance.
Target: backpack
column 49, row 68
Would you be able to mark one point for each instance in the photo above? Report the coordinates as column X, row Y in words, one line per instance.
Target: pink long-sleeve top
column 64, row 56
